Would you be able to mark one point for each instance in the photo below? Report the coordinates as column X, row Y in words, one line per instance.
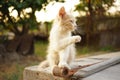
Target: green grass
column 40, row 48
column 83, row 50
column 15, row 74
column 12, row 76
column 107, row 48
column 89, row 51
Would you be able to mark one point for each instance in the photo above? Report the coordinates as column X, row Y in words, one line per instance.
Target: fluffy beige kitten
column 61, row 49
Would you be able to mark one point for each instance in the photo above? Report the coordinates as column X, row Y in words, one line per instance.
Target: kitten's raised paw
column 77, row 38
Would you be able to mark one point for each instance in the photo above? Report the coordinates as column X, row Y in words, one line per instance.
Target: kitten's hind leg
column 43, row 64
column 53, row 58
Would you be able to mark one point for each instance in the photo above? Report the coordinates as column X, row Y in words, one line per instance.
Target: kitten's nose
column 76, row 31
column 75, row 27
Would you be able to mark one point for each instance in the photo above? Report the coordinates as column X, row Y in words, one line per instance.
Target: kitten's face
column 66, row 21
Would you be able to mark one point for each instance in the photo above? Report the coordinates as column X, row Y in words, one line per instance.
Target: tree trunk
column 23, row 43
column 89, row 25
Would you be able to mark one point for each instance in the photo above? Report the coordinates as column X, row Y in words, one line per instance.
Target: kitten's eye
column 71, row 21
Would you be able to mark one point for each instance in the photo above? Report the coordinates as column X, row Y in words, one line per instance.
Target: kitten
column 61, row 49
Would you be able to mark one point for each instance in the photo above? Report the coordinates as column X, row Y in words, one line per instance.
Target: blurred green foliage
column 94, row 6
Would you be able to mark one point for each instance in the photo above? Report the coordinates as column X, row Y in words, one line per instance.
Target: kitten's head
column 65, row 20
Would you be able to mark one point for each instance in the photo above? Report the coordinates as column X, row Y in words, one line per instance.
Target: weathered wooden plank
column 111, row 73
column 33, row 73
column 97, row 67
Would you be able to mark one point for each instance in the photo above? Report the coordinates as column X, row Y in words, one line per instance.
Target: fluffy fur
column 61, row 49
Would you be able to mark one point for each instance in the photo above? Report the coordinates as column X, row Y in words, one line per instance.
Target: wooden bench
column 90, row 66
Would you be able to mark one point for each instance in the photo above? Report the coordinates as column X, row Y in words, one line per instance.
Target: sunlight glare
column 28, row 10
column 115, row 8
column 52, row 10
column 13, row 13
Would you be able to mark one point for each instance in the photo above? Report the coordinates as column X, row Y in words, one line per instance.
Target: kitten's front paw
column 77, row 38
column 64, row 65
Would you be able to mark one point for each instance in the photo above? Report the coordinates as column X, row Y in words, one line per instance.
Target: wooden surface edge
column 97, row 67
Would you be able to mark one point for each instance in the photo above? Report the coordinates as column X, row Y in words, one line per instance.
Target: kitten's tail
column 43, row 64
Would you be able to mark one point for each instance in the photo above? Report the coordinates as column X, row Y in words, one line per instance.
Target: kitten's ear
column 62, row 12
